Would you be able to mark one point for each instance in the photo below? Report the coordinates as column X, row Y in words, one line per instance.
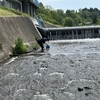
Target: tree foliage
column 68, row 21
column 82, row 17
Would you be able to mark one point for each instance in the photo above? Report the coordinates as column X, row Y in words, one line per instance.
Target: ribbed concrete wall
column 13, row 27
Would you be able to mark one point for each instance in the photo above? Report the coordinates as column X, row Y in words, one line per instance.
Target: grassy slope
column 11, row 12
column 7, row 12
column 4, row 12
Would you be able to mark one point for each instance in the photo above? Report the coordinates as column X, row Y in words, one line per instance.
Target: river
column 70, row 70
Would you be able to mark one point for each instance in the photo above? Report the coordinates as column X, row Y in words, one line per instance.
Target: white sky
column 71, row 4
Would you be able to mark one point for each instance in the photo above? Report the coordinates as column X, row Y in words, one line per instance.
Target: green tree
column 60, row 16
column 85, row 16
column 41, row 9
column 94, row 19
column 68, row 21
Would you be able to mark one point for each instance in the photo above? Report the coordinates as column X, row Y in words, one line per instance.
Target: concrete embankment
column 13, row 27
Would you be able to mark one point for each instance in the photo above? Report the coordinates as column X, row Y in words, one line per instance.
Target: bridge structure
column 63, row 33
column 24, row 6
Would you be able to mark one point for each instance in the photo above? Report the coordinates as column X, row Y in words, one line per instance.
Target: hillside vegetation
column 84, row 16
column 58, row 17
column 10, row 12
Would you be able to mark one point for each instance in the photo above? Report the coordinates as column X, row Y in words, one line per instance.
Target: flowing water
column 70, row 70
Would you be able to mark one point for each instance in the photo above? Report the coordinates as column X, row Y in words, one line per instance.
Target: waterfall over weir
column 81, row 32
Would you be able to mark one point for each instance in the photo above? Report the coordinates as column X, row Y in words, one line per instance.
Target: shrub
column 19, row 48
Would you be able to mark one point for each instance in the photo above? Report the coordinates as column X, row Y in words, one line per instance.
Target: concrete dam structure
column 13, row 27
column 65, row 33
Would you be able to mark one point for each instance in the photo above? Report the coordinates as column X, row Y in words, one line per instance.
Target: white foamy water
column 80, row 46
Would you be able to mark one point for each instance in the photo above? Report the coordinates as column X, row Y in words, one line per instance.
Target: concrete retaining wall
column 13, row 27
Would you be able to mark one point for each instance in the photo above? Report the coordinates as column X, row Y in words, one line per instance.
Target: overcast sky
column 71, row 4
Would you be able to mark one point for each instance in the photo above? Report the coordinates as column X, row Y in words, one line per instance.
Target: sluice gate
column 82, row 32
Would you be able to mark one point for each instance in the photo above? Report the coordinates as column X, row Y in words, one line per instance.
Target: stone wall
column 13, row 27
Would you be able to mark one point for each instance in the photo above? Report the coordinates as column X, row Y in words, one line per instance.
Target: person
column 41, row 42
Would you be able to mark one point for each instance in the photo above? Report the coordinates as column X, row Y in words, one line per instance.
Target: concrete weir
column 13, row 27
column 80, row 32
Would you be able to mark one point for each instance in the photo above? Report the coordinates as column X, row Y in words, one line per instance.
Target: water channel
column 70, row 70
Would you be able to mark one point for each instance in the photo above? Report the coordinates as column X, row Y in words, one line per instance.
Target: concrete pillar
column 65, row 35
column 99, row 33
column 72, row 35
column 0, row 2
column 76, row 34
column 20, row 4
column 21, row 7
column 24, row 7
column 86, row 33
column 56, row 36
column 68, row 35
column 82, row 34
column 28, row 9
column 31, row 10
column 50, row 36
column 4, row 3
column 90, row 34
